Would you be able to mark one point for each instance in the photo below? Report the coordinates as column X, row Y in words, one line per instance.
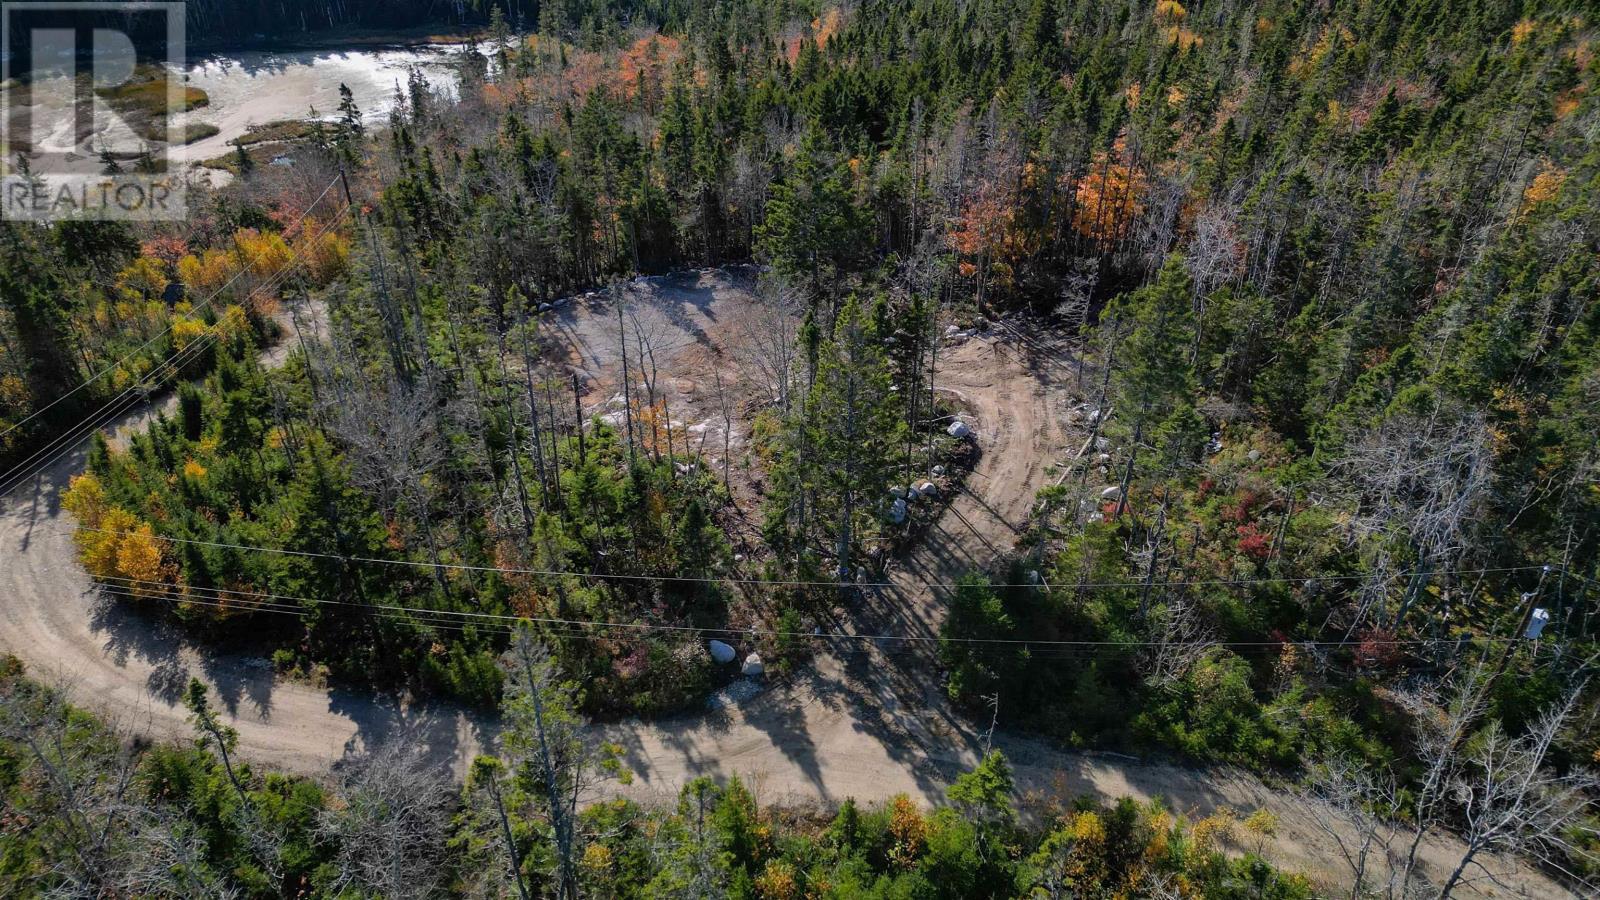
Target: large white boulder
column 752, row 665
column 958, row 429
column 721, row 652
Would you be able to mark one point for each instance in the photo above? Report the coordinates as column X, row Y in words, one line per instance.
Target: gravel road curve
column 856, row 724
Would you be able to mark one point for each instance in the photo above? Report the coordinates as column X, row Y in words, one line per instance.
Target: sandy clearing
column 867, row 724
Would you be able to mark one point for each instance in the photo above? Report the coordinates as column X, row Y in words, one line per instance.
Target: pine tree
column 853, row 426
column 1153, row 380
column 813, row 229
column 351, row 128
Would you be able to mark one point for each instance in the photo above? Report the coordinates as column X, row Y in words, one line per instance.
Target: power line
column 1057, row 653
column 503, row 621
column 69, row 437
column 731, row 579
column 125, row 402
column 159, row 335
column 66, row 442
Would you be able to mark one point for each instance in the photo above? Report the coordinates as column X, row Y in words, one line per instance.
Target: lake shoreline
column 334, row 39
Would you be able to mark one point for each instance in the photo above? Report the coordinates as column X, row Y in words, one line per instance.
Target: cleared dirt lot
column 868, row 720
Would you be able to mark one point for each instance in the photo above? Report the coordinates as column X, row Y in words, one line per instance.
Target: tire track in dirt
column 854, row 725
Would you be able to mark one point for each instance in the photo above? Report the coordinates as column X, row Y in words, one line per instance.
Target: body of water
column 255, row 87
column 245, row 88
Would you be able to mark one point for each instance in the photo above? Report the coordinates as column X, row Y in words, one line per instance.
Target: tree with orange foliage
column 168, row 249
column 978, row 234
column 908, row 829
column 1109, row 198
column 992, row 234
column 642, row 68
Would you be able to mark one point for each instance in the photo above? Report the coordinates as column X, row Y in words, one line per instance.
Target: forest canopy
column 1312, row 285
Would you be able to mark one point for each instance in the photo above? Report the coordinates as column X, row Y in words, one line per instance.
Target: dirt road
column 850, row 727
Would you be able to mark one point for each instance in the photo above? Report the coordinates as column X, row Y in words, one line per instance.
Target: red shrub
column 1240, row 511
column 1254, row 542
column 1377, row 649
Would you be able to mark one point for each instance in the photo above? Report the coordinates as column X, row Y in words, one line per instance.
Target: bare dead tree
column 1422, row 480
column 391, row 437
column 87, row 837
column 1077, row 294
column 1215, row 254
column 1371, row 592
column 1181, row 639
column 654, row 335
column 748, row 181
column 619, row 298
column 1350, row 796
column 1444, row 715
column 392, row 826
column 1156, row 232
column 725, row 407
column 100, row 837
column 169, row 859
column 768, row 347
column 1509, row 802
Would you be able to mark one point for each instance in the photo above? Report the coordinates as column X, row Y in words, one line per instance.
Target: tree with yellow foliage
column 141, row 562
column 143, row 279
column 113, row 544
column 323, row 249
column 207, row 272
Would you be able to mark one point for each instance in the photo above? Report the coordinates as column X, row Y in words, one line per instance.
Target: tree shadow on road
column 681, row 735
column 132, row 633
column 130, row 636
column 442, row 736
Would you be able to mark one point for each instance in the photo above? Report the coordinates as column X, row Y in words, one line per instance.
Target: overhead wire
column 265, row 602
column 67, row 441
column 124, row 403
column 508, row 621
column 128, row 399
column 779, row 582
column 128, row 396
column 135, row 351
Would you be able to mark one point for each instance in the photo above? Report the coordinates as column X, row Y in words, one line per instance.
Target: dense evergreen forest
column 1325, row 274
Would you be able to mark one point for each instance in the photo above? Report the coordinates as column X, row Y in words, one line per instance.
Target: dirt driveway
column 850, row 727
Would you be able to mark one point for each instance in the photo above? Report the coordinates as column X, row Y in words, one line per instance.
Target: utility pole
column 1516, row 637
